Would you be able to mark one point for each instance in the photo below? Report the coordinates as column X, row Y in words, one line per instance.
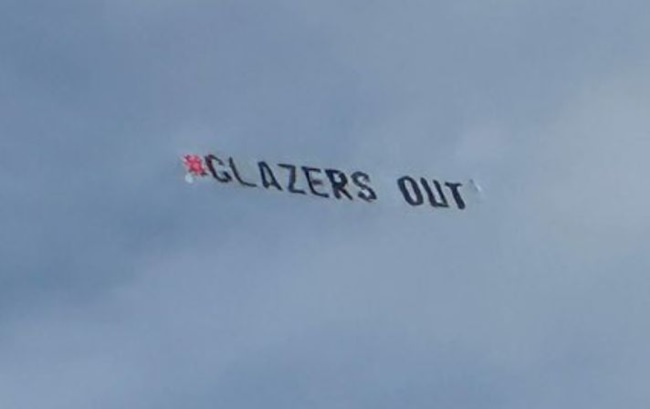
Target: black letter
column 418, row 200
column 224, row 177
column 457, row 197
column 268, row 178
column 314, row 182
column 432, row 197
column 239, row 179
column 292, row 178
column 362, row 180
column 339, row 181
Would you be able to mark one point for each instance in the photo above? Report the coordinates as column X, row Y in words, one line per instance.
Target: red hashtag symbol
column 194, row 165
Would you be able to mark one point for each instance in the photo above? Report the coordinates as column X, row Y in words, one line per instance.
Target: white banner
column 333, row 183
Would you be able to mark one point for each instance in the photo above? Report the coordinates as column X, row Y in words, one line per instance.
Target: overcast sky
column 122, row 286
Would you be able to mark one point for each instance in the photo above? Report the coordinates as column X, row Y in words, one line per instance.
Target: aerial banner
column 332, row 183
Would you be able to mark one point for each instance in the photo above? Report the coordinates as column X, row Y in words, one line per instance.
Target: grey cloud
column 124, row 286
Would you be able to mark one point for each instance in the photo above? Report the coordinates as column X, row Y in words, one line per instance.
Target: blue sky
column 123, row 286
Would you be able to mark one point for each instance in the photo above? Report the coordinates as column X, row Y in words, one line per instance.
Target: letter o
column 410, row 190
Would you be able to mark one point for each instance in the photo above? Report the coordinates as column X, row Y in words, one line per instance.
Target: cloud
column 124, row 286
column 588, row 183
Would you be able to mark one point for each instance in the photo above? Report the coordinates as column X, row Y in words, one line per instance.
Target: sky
column 123, row 286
